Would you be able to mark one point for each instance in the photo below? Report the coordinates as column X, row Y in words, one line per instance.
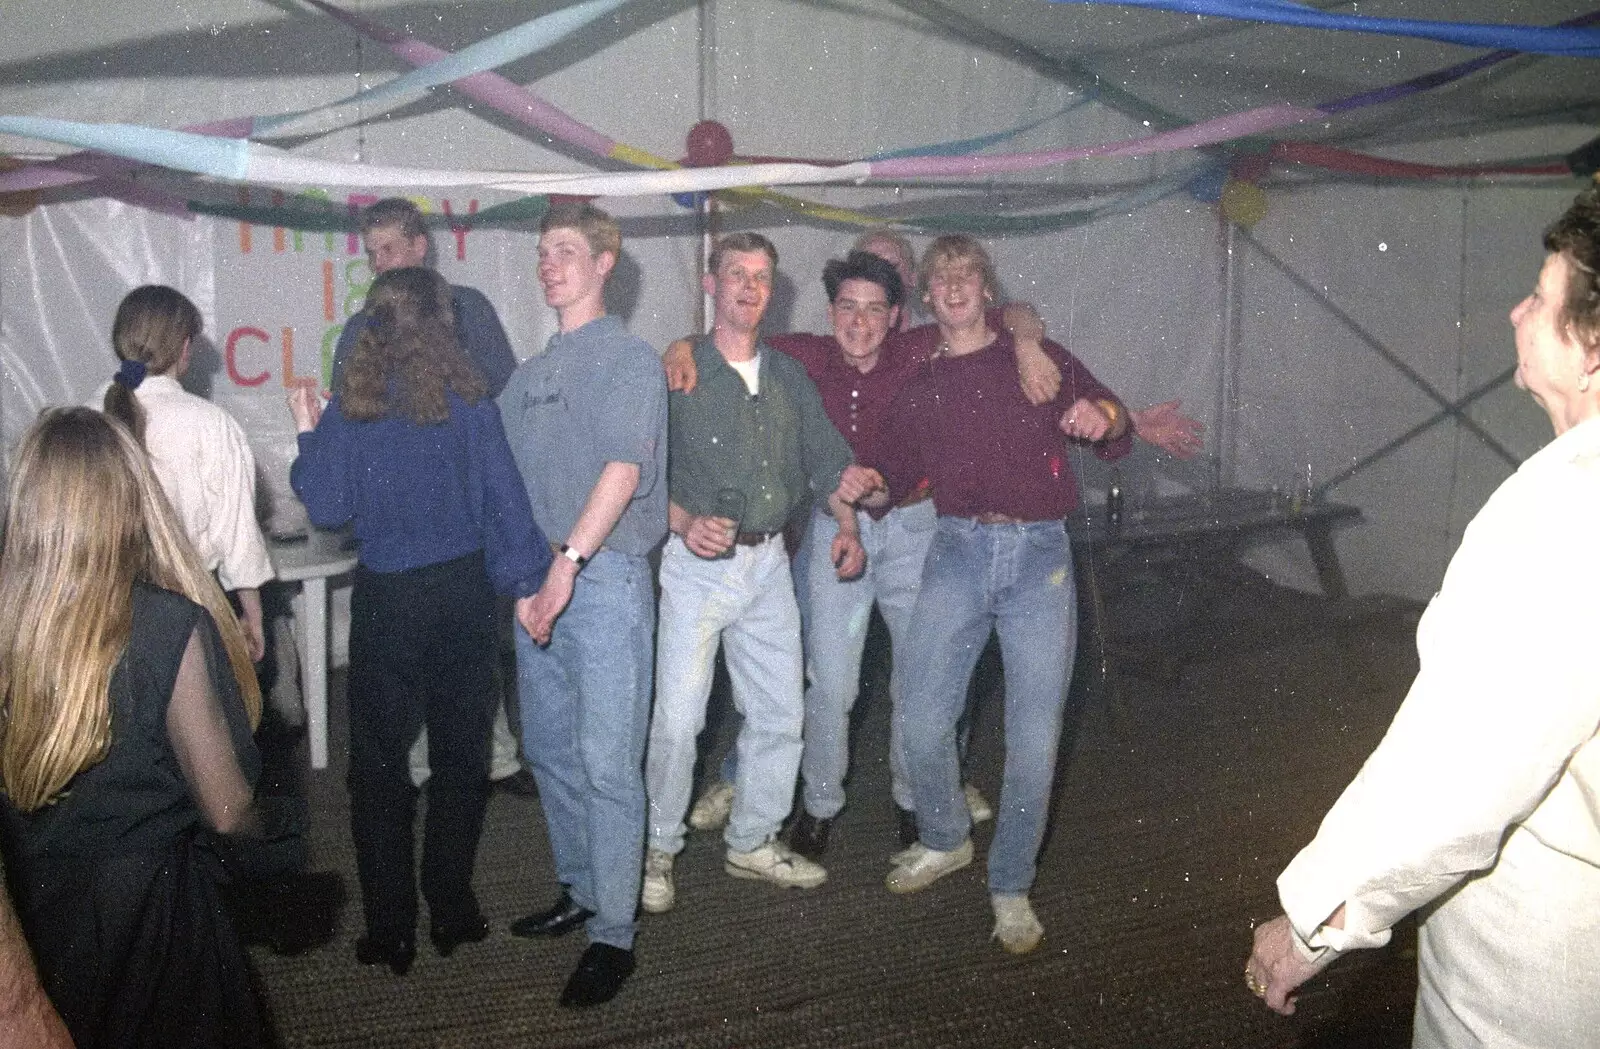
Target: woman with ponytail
column 199, row 452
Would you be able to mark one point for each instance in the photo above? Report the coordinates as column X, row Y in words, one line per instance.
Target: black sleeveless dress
column 117, row 883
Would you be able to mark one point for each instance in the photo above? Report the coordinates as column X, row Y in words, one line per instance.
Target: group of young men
column 937, row 461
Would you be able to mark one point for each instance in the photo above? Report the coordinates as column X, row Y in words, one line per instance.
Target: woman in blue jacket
column 411, row 451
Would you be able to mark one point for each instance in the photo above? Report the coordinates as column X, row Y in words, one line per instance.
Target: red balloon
column 709, row 145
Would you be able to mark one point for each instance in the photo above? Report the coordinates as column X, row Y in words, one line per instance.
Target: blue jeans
column 840, row 611
column 1018, row 580
column 585, row 714
column 746, row 602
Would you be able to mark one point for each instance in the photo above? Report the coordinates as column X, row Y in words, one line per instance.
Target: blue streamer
column 491, row 53
column 1541, row 40
column 225, row 158
column 962, row 147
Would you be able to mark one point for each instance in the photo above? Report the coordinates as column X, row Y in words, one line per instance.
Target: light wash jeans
column 1018, row 580
column 585, row 714
column 746, row 601
column 896, row 547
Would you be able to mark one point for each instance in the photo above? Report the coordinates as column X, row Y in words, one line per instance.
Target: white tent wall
column 1430, row 273
column 1141, row 297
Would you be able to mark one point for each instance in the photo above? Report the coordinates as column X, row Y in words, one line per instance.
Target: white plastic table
column 311, row 562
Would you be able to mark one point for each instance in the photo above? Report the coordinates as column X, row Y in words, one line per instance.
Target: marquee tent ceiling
column 1166, row 68
column 1199, row 68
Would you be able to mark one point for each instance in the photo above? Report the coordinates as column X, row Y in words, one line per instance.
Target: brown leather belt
column 994, row 519
column 755, row 538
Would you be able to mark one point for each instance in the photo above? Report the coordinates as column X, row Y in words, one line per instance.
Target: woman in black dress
column 126, row 706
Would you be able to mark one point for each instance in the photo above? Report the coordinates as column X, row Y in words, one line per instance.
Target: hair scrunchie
column 131, row 374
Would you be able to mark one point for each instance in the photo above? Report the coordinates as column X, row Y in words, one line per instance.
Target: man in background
column 395, row 237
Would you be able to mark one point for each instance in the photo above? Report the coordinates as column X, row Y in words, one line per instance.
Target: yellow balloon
column 1243, row 203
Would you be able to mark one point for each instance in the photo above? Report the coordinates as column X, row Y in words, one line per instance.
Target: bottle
column 1114, row 500
column 1303, row 494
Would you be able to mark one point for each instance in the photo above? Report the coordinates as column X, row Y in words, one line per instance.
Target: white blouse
column 205, row 466
column 1497, row 733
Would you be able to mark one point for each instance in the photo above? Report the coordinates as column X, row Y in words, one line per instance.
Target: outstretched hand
column 1169, row 429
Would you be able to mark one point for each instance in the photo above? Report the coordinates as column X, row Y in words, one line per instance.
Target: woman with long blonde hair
column 127, row 701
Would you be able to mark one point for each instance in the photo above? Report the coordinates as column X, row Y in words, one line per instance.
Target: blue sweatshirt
column 423, row 494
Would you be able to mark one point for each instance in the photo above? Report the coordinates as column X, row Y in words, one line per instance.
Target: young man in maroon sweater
column 1002, row 482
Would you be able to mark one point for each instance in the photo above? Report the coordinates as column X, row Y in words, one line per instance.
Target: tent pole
column 705, row 207
column 1225, row 463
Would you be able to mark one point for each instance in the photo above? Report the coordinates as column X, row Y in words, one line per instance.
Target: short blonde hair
column 599, row 230
column 953, row 248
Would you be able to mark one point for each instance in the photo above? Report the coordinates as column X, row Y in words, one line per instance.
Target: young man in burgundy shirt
column 1000, row 473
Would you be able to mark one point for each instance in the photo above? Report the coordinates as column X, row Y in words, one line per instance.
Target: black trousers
column 422, row 651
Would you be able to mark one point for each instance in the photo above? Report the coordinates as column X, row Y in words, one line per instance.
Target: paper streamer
column 491, row 89
column 1331, row 159
column 1208, row 133
column 498, row 50
column 1562, row 41
column 240, row 160
column 527, row 108
column 237, row 160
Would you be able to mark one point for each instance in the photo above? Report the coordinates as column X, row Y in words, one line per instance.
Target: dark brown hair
column 153, row 324
column 1576, row 235
column 394, row 213
column 408, row 357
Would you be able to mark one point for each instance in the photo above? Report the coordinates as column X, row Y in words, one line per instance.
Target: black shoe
column 562, row 917
column 451, row 933
column 905, row 826
column 809, row 836
column 397, row 956
column 599, row 976
column 520, row 783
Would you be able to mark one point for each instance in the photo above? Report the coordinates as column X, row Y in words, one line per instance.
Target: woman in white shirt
column 1478, row 806
column 199, row 452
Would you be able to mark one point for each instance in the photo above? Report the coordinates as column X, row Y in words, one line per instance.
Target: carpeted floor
column 1177, row 803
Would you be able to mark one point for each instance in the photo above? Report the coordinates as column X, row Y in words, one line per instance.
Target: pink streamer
column 1222, row 129
column 492, row 89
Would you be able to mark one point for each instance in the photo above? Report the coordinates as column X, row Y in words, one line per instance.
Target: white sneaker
column 922, row 866
column 977, row 805
column 713, row 808
column 657, row 894
column 1015, row 925
column 777, row 863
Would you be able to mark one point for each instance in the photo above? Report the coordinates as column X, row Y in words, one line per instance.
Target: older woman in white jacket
column 1480, row 804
